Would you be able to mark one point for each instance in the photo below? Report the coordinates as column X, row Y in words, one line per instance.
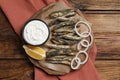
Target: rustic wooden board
column 22, row 70
column 108, row 69
column 105, row 17
column 16, row 70
column 106, row 29
column 98, row 4
column 9, row 42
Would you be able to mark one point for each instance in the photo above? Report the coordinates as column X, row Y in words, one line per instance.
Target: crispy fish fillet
column 65, row 23
column 57, row 46
column 60, row 62
column 68, row 37
column 55, row 52
column 61, row 13
column 60, row 58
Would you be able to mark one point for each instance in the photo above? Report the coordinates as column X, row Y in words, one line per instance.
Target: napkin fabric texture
column 19, row 11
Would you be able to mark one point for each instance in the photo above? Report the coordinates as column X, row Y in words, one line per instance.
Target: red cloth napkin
column 19, row 11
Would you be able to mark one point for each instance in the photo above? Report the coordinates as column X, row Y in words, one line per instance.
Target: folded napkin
column 19, row 11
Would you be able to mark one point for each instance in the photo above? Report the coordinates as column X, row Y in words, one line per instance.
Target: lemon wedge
column 34, row 52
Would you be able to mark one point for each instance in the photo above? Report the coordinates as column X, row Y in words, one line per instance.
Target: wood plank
column 22, row 70
column 97, row 4
column 10, row 44
column 104, row 23
column 107, row 34
column 105, row 26
column 16, row 70
column 108, row 69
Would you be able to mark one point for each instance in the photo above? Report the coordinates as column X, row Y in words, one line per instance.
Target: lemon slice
column 34, row 52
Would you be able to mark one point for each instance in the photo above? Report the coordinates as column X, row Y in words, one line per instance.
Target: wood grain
column 106, row 30
column 22, row 70
column 108, row 69
column 10, row 44
column 105, row 18
column 16, row 70
column 97, row 4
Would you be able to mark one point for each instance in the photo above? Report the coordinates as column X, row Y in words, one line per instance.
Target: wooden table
column 105, row 17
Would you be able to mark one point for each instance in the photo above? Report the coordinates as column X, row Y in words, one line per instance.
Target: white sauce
column 35, row 32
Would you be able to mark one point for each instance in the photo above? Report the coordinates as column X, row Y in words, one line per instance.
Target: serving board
column 54, row 69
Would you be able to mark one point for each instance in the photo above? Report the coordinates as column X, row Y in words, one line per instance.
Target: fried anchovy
column 68, row 17
column 55, row 52
column 70, row 14
column 57, row 46
column 70, row 27
column 58, row 34
column 66, row 23
column 60, row 58
column 67, row 42
column 55, row 41
column 54, row 22
column 62, row 19
column 60, row 13
column 60, row 62
column 71, row 37
column 63, row 30
column 61, row 41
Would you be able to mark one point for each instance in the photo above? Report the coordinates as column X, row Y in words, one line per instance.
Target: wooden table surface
column 105, row 17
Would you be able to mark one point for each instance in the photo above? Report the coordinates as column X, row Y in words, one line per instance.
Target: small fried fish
column 55, row 52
